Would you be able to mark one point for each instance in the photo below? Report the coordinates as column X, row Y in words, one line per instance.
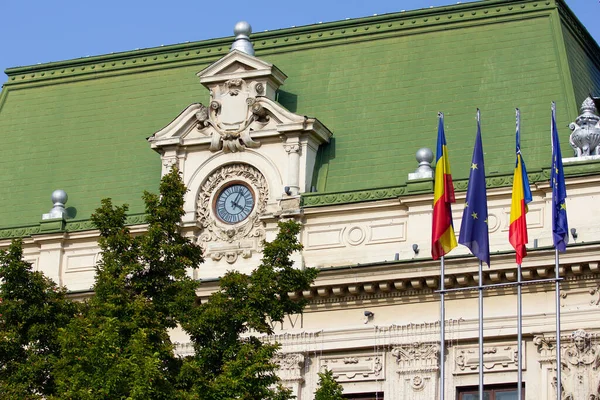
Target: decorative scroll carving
column 585, row 138
column 292, row 148
column 169, row 162
column 290, row 366
column 580, row 363
column 230, row 241
column 354, row 368
column 502, row 357
column 232, row 110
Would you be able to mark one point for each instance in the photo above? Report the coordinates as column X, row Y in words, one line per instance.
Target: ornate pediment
column 240, row 65
column 242, row 109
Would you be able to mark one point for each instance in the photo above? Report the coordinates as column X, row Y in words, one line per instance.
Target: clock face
column 234, row 203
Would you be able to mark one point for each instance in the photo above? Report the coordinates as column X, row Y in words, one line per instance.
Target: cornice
column 317, row 35
column 70, row 226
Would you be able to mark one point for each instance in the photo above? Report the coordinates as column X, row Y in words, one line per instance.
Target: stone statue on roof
column 585, row 138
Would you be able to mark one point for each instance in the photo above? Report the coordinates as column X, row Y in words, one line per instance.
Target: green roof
column 377, row 83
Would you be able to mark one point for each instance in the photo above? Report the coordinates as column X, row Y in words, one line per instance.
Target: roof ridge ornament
column 242, row 31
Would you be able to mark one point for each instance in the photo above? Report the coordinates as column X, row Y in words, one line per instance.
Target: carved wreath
column 214, row 230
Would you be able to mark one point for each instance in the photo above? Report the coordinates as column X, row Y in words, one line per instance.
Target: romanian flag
column 442, row 235
column 521, row 195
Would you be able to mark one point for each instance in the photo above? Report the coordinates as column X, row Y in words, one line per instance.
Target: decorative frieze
column 355, row 367
column 497, row 358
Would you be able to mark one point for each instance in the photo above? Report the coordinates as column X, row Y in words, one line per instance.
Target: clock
column 234, row 203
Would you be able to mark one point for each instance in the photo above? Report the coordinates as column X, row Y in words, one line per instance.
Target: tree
column 329, row 388
column 118, row 346
column 230, row 361
column 32, row 309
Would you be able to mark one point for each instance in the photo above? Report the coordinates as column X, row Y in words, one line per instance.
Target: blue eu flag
column 474, row 227
column 560, row 226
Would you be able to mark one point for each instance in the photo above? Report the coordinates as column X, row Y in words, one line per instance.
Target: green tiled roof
column 376, row 82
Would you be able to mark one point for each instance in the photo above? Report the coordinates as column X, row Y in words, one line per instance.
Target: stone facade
column 373, row 312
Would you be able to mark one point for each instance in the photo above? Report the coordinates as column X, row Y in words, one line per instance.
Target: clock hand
column 235, row 202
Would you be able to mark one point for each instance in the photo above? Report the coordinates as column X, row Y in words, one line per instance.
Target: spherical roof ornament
column 242, row 31
column 59, row 198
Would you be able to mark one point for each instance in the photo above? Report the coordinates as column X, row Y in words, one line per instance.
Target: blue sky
column 40, row 31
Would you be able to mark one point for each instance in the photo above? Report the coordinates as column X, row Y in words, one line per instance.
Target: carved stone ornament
column 417, row 357
column 502, row 357
column 290, row 365
column 580, row 368
column 229, row 241
column 233, row 114
column 364, row 367
column 585, row 138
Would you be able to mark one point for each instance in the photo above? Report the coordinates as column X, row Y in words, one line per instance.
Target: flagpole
column 480, row 330
column 557, row 295
column 519, row 335
column 442, row 329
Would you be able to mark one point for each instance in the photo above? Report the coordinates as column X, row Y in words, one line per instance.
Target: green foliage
column 119, row 346
column 329, row 388
column 32, row 309
column 230, row 361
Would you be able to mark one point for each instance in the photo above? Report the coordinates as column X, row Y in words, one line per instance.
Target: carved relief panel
column 418, row 365
column 355, row 367
column 580, row 365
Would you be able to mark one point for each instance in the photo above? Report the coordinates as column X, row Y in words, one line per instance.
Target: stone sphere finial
column 59, row 196
column 424, row 155
column 242, row 31
column 242, row 28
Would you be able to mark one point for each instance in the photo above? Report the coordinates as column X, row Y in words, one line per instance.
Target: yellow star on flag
column 474, row 215
column 563, row 206
column 473, row 166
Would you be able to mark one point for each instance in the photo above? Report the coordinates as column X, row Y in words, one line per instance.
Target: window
column 505, row 392
column 364, row 396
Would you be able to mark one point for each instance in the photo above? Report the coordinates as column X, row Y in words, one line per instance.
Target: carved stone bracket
column 229, row 241
column 290, row 365
column 353, row 368
column 498, row 358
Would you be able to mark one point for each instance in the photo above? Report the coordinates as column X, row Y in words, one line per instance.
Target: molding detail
column 230, row 241
column 356, row 367
column 502, row 357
